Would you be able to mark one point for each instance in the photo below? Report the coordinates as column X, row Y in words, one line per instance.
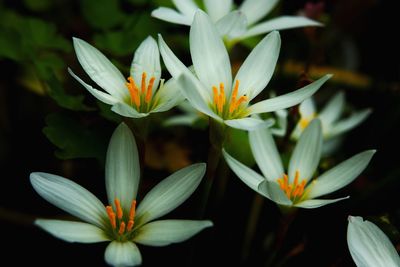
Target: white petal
column 209, row 55
column 316, row 203
column 369, row 246
column 125, row 110
column 122, row 254
column 257, row 69
column 347, row 124
column 171, row 15
column 186, row 120
column 280, row 23
column 122, row 167
column 168, row 96
column 307, row 108
column 170, row 193
column 257, row 9
column 166, row 232
column 272, row 191
column 281, row 127
column 232, row 25
column 187, row 7
column 147, row 59
column 340, row 175
column 332, row 110
column 266, row 154
column 72, row 231
column 218, row 9
column 290, row 99
column 69, row 197
column 249, row 124
column 100, row 69
column 103, row 97
column 247, row 175
column 307, row 153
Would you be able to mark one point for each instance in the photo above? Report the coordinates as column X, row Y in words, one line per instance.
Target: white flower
column 296, row 187
column 137, row 96
column 120, row 222
column 211, row 91
column 234, row 25
column 369, row 246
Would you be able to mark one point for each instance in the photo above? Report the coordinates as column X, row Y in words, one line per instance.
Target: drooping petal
column 307, row 153
column 122, row 167
column 272, row 191
column 187, row 7
column 69, row 197
column 347, row 124
column 170, row 193
column 165, row 232
column 247, row 175
column 71, row 231
column 147, row 60
column 232, row 25
column 257, row 9
column 249, row 124
column 125, row 110
column 369, row 246
column 122, row 254
column 266, row 154
column 218, row 9
column 316, row 203
column 332, row 110
column 171, row 15
column 103, row 97
column 341, row 175
column 289, row 99
column 100, row 69
column 280, row 23
column 168, row 96
column 209, row 55
column 257, row 69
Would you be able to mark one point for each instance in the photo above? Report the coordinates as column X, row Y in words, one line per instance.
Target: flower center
column 119, row 224
column 304, row 121
column 141, row 98
column 293, row 190
column 227, row 109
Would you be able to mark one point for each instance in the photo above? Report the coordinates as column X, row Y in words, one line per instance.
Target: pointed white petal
column 103, row 97
column 281, row 127
column 209, row 55
column 266, row 154
column 122, row 167
column 307, row 153
column 125, row 110
column 247, row 175
column 332, row 110
column 257, row 9
column 232, row 25
column 170, row 193
column 218, row 9
column 72, row 231
column 100, row 69
column 257, row 69
column 168, row 96
column 307, row 108
column 280, row 23
column 290, row 99
column 69, row 197
column 147, row 60
column 249, row 124
column 341, row 175
column 369, row 246
column 122, row 254
column 347, row 124
column 171, row 15
column 187, row 7
column 316, row 203
column 272, row 191
column 166, row 232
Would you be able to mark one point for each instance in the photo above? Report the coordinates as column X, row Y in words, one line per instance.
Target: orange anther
column 121, row 228
column 296, row 178
column 132, row 211
column 133, row 91
column 111, row 216
column 149, row 89
column 130, row 225
column 143, row 85
column 118, row 207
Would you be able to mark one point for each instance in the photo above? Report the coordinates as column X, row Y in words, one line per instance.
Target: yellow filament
column 219, row 98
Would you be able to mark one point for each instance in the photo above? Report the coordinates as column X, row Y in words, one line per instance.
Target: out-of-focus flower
column 120, row 222
column 138, row 96
column 297, row 187
column 211, row 91
column 369, row 246
column 234, row 25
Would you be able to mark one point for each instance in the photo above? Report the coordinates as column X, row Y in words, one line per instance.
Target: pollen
column 304, row 121
column 293, row 190
column 221, row 104
column 121, row 225
column 142, row 96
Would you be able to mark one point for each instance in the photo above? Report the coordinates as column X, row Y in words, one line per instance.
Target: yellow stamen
column 215, row 91
column 133, row 91
column 149, row 90
column 304, row 121
column 124, row 225
column 130, row 225
column 111, row 216
column 132, row 211
column 119, row 209
column 143, row 85
column 121, row 228
column 292, row 190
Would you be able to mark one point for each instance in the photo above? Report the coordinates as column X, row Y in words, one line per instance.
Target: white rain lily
column 369, row 246
column 211, row 90
column 120, row 222
column 237, row 24
column 142, row 93
column 297, row 187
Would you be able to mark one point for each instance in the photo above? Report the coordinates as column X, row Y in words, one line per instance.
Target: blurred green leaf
column 238, row 146
column 74, row 139
column 102, row 14
column 106, row 112
column 38, row 5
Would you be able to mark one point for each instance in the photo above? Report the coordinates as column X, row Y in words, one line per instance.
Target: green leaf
column 38, row 5
column 238, row 146
column 74, row 139
column 102, row 14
